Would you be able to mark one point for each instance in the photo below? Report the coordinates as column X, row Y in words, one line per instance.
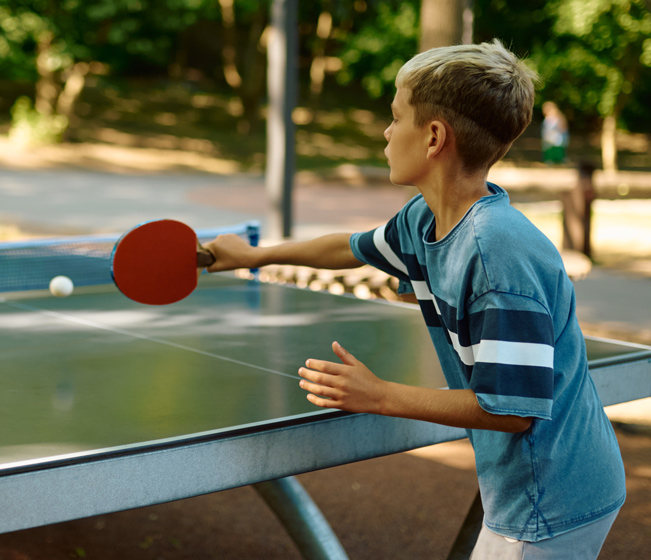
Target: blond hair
column 483, row 91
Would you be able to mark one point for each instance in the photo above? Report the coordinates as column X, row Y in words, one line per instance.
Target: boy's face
column 407, row 144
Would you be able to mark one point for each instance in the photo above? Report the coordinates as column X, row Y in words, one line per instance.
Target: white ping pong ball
column 61, row 286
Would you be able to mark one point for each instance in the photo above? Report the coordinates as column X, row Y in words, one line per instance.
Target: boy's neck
column 450, row 195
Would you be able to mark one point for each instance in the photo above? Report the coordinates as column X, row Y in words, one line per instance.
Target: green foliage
column 636, row 114
column 122, row 33
column 18, row 32
column 28, row 127
column 374, row 52
column 143, row 34
column 521, row 26
column 595, row 53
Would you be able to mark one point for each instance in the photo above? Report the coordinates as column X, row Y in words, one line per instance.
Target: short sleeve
column 381, row 249
column 512, row 369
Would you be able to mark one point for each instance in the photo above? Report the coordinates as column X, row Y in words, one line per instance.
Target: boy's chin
column 394, row 178
column 398, row 181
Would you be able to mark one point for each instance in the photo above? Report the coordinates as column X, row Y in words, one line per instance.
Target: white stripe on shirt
column 466, row 353
column 386, row 251
column 421, row 289
column 515, row 353
column 493, row 351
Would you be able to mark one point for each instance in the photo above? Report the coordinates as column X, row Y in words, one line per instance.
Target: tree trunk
column 247, row 78
column 282, row 82
column 72, row 88
column 229, row 50
column 74, row 84
column 318, row 66
column 46, row 87
column 253, row 67
column 441, row 23
column 609, row 144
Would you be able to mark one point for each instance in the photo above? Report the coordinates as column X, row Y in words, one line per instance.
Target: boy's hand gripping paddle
column 156, row 262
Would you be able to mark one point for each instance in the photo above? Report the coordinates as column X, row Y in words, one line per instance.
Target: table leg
column 302, row 519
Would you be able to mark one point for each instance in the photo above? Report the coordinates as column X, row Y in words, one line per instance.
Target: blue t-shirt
column 500, row 310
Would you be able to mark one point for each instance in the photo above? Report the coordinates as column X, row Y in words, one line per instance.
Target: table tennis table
column 109, row 405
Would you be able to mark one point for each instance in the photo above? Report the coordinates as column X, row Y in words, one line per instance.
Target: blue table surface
column 95, row 371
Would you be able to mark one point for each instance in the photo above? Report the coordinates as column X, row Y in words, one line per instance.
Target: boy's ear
column 438, row 136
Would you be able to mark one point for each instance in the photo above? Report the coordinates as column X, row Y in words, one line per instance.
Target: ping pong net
column 86, row 260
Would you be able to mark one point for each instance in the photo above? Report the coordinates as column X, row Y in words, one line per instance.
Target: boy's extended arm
column 353, row 387
column 330, row 251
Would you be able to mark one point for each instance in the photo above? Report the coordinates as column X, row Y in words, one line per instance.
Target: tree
column 319, row 60
column 375, row 49
column 244, row 52
column 594, row 59
column 387, row 33
column 441, row 23
column 521, row 26
column 58, row 43
column 29, row 40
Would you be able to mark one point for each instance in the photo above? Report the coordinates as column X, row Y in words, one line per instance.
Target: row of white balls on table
column 61, row 286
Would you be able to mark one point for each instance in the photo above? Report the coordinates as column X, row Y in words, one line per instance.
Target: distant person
column 555, row 134
column 497, row 303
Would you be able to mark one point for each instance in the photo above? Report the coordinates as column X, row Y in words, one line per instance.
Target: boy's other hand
column 348, row 386
column 230, row 252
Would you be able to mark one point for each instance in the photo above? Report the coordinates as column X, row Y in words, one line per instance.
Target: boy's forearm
column 330, row 251
column 458, row 408
column 349, row 385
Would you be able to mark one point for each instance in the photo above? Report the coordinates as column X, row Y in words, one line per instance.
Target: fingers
column 347, row 386
column 229, row 251
column 320, row 392
column 343, row 354
column 324, row 372
column 320, row 380
column 319, row 377
column 330, row 368
column 328, row 383
column 323, row 403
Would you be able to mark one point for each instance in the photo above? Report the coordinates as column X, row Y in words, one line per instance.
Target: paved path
column 94, row 202
column 91, row 202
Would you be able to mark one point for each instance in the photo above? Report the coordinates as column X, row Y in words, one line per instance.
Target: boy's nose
column 387, row 133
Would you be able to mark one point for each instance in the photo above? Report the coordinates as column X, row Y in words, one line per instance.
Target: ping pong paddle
column 157, row 262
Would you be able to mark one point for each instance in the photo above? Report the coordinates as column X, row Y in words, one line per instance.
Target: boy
column 498, row 306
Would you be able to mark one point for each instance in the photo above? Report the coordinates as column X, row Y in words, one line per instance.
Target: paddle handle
column 204, row 258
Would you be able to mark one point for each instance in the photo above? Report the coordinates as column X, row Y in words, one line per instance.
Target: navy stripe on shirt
column 509, row 380
column 510, row 325
column 430, row 315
